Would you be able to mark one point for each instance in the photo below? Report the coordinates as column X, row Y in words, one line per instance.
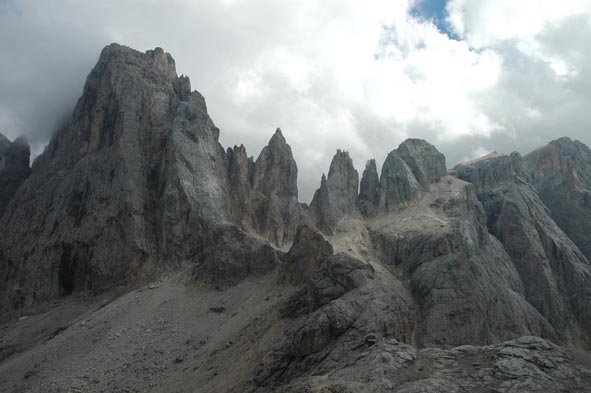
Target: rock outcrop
column 228, row 255
column 466, row 289
column 274, row 184
column 561, row 171
column 14, row 168
column 308, row 251
column 369, row 190
column 408, row 171
column 553, row 270
column 526, row 364
column 413, row 281
column 134, row 178
column 337, row 196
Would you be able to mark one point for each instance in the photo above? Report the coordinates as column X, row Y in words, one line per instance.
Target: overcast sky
column 470, row 76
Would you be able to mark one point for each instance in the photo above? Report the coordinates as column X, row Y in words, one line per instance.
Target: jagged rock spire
column 369, row 190
column 14, row 167
column 407, row 171
column 337, row 196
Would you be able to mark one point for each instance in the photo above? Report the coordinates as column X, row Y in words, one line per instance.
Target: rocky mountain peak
column 14, row 167
column 369, row 190
column 275, row 170
column 425, row 161
column 337, row 196
column 560, row 170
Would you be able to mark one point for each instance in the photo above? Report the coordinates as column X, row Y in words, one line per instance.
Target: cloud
column 332, row 74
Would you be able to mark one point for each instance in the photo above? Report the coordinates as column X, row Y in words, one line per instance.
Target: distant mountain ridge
column 137, row 184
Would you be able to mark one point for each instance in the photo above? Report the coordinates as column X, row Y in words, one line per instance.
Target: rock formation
column 407, row 171
column 561, row 171
column 413, row 281
column 14, row 168
column 369, row 190
column 337, row 196
column 545, row 258
column 134, row 176
column 274, row 182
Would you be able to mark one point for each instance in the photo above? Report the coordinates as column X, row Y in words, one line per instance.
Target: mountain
column 139, row 255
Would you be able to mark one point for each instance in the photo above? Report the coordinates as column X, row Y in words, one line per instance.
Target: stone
column 14, row 168
column 542, row 254
column 369, row 190
column 408, row 171
column 305, row 256
column 561, row 171
column 274, row 181
column 124, row 189
column 229, row 255
column 337, row 196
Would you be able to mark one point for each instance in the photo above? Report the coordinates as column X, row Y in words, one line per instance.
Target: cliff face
column 14, row 168
column 553, row 270
column 561, row 173
column 337, row 196
column 137, row 184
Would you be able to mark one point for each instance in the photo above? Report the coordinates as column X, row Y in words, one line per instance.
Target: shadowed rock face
column 274, row 181
column 553, row 270
column 135, row 175
column 14, row 168
column 369, row 190
column 266, row 190
column 407, row 171
column 413, row 265
column 337, row 196
column 561, row 171
column 309, row 249
column 464, row 284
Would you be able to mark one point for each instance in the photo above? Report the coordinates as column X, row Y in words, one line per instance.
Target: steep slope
column 561, row 171
column 555, row 274
column 14, row 168
column 337, row 196
column 134, row 176
column 372, row 288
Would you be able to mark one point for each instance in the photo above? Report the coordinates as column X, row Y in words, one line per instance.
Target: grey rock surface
column 337, row 196
column 555, row 274
column 305, row 256
column 561, row 171
column 14, row 168
column 369, row 190
column 419, row 282
column 129, row 182
column 462, row 280
column 228, row 255
column 408, row 171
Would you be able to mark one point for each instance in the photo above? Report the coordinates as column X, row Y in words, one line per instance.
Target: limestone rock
column 337, row 196
column 466, row 289
column 561, row 173
column 274, row 182
column 408, row 171
column 134, row 179
column 14, row 168
column 397, row 183
column 553, row 270
column 369, row 190
column 526, row 364
column 305, row 256
column 425, row 161
column 228, row 255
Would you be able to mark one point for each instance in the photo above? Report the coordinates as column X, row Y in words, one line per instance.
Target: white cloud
column 360, row 76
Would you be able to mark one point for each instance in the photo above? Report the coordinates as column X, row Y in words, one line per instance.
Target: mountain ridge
column 136, row 187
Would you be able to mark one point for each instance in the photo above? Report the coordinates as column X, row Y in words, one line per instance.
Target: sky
column 469, row 76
